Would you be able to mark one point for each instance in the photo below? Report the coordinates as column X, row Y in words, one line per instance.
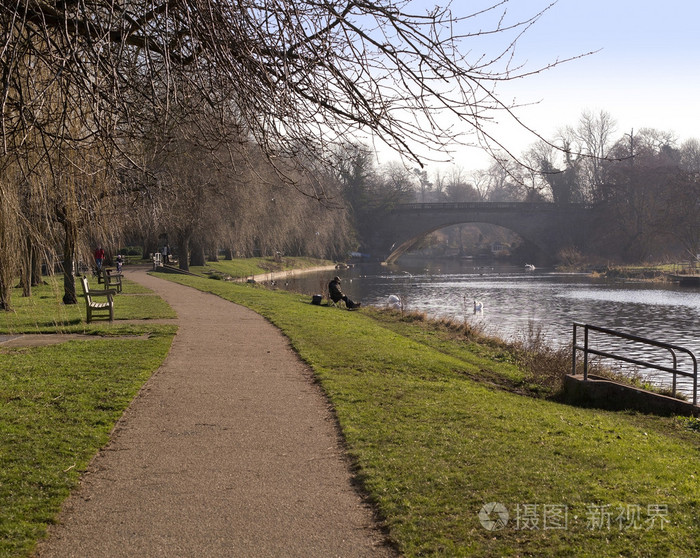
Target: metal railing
column 673, row 349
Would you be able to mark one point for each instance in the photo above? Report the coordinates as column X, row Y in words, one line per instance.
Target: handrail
column 671, row 348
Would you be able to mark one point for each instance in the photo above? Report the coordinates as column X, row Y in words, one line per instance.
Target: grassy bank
column 657, row 273
column 437, row 433
column 247, row 267
column 59, row 403
column 654, row 272
column 44, row 311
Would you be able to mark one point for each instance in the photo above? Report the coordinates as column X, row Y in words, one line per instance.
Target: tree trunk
column 184, row 254
column 37, row 278
column 26, row 267
column 197, row 257
column 8, row 249
column 5, row 289
column 228, row 254
column 71, row 238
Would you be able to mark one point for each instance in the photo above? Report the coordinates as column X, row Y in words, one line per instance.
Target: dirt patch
column 44, row 339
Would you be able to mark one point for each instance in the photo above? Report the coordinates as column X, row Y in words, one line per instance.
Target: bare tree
column 690, row 155
column 552, row 172
column 298, row 72
column 397, row 184
column 458, row 188
column 594, row 139
column 210, row 190
column 503, row 180
column 680, row 200
column 635, row 215
column 535, row 172
column 482, row 183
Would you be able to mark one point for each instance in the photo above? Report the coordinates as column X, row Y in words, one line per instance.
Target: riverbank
column 282, row 275
column 459, row 464
column 663, row 273
column 261, row 269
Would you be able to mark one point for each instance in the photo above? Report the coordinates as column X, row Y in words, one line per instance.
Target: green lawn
column 433, row 444
column 44, row 311
column 59, row 403
column 247, row 267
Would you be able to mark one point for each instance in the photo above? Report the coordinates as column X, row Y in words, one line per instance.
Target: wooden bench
column 112, row 280
column 92, row 306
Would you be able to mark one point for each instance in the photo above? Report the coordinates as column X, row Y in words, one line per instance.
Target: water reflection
column 516, row 300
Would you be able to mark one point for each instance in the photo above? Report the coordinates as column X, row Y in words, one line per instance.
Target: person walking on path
column 230, row 450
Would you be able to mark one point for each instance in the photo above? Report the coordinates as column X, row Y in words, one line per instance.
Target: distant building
column 499, row 249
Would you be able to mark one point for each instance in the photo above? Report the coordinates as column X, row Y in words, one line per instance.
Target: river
column 517, row 301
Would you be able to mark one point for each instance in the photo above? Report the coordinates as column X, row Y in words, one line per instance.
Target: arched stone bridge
column 549, row 226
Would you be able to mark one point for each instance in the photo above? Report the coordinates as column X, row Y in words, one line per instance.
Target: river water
column 517, row 301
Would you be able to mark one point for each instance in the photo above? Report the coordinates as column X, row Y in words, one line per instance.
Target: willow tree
column 301, row 75
column 54, row 152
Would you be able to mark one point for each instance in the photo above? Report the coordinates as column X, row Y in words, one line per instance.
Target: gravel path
column 229, row 450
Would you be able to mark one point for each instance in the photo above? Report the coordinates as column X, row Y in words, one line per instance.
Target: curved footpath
column 229, row 450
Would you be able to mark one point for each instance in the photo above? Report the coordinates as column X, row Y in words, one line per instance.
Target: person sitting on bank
column 337, row 295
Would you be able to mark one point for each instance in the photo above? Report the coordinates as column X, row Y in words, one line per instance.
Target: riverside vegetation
column 246, row 267
column 437, row 424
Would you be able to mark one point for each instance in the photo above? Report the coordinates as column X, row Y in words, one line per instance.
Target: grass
column 436, row 432
column 44, row 311
column 526, row 367
column 59, row 403
column 247, row 267
column 647, row 272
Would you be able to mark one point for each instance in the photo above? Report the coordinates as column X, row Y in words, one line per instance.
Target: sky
column 644, row 70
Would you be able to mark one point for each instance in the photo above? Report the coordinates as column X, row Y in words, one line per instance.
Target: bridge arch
column 548, row 226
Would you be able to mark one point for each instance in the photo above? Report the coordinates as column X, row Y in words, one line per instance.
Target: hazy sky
column 646, row 72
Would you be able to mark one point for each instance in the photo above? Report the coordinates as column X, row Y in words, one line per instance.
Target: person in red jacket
column 99, row 257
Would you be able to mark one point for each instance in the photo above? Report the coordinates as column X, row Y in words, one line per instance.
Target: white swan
column 394, row 302
column 530, row 267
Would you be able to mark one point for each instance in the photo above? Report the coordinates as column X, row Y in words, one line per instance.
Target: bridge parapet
column 492, row 206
